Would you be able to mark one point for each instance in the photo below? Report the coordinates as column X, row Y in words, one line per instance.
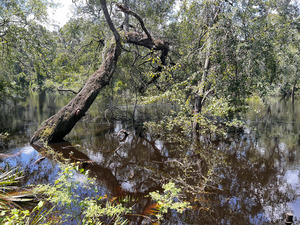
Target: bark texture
column 145, row 39
column 203, row 89
column 59, row 125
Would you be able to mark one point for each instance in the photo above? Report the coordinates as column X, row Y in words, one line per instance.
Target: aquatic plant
column 11, row 195
column 101, row 209
column 169, row 199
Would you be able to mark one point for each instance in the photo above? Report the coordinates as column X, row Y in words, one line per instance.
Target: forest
column 143, row 108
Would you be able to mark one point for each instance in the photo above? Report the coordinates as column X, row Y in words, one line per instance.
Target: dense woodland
column 193, row 53
column 213, row 49
column 206, row 56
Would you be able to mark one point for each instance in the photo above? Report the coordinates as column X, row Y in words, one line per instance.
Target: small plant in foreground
column 169, row 200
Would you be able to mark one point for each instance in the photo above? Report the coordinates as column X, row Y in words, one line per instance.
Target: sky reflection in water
column 260, row 184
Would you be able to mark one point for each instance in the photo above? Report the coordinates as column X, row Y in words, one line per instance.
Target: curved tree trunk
column 59, row 125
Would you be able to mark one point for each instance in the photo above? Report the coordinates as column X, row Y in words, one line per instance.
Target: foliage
column 38, row 215
column 220, row 53
column 79, row 46
column 251, row 46
column 4, row 139
column 25, row 48
column 95, row 209
column 89, row 210
column 9, row 194
column 169, row 200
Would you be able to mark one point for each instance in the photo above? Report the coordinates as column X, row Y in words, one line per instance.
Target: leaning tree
column 226, row 51
column 59, row 125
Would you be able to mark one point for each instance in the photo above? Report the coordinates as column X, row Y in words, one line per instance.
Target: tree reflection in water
column 249, row 178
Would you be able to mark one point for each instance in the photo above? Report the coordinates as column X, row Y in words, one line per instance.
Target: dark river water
column 258, row 184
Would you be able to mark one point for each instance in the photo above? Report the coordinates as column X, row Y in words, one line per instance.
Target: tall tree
column 214, row 52
column 26, row 47
column 58, row 126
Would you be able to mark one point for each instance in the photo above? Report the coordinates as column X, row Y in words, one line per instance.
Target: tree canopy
column 205, row 57
column 195, row 53
column 27, row 46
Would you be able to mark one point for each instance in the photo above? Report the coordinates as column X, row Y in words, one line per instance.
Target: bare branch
column 110, row 23
column 126, row 20
column 74, row 92
column 130, row 12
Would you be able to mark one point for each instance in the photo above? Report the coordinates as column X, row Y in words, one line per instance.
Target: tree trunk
column 201, row 95
column 59, row 125
column 294, row 90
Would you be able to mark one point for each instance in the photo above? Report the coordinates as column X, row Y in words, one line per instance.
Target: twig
column 129, row 12
column 74, row 92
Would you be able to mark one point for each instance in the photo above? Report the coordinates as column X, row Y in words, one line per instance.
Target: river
column 257, row 184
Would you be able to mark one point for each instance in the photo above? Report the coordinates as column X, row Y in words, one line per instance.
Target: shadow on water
column 254, row 178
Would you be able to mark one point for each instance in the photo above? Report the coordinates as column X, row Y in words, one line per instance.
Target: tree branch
column 68, row 90
column 110, row 23
column 129, row 12
column 126, row 19
column 147, row 41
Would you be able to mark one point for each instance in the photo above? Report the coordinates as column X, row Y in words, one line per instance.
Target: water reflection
column 22, row 119
column 258, row 184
